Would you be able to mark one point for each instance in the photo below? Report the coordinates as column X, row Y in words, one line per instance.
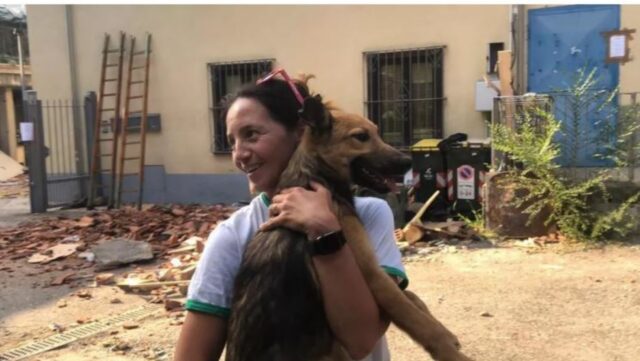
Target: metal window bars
column 404, row 93
column 226, row 78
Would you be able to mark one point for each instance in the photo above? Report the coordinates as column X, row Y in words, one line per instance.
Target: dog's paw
column 398, row 234
column 447, row 337
column 450, row 354
column 447, row 348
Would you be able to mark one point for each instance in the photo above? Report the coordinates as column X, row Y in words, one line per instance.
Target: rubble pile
column 167, row 284
column 15, row 187
column 163, row 227
column 424, row 238
column 105, row 240
column 418, row 231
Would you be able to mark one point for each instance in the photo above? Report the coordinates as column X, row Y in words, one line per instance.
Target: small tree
column 567, row 201
column 582, row 101
column 625, row 150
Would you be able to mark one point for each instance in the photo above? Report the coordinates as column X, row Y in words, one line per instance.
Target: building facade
column 13, row 29
column 413, row 69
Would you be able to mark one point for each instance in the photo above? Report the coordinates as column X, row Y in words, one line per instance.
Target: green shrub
column 533, row 149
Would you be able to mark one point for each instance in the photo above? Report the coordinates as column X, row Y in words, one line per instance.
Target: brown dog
column 277, row 311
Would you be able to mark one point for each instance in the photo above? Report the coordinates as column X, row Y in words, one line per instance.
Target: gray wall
column 160, row 187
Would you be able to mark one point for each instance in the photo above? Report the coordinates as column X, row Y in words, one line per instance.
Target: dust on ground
column 503, row 303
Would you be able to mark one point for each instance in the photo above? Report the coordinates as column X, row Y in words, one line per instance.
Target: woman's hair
column 276, row 96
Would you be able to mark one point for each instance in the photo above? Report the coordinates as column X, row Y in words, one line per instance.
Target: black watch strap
column 327, row 243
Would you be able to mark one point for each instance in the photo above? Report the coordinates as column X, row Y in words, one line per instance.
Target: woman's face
column 261, row 147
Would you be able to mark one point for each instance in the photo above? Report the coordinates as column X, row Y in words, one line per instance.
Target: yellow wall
column 327, row 41
column 48, row 50
column 630, row 72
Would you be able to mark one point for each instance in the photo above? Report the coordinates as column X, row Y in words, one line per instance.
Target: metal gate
column 564, row 40
column 58, row 153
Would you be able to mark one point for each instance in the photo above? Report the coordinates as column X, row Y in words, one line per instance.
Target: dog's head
column 350, row 145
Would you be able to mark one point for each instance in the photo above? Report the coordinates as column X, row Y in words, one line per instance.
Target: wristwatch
column 327, row 243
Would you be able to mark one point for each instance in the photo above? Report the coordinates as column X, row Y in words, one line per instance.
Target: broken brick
column 130, row 325
column 105, row 279
column 171, row 305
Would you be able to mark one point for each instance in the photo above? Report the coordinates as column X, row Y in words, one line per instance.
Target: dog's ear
column 315, row 114
column 304, row 78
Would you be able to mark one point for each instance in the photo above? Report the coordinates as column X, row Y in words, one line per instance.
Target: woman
column 264, row 130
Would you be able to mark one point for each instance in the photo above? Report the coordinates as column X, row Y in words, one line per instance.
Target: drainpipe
column 68, row 13
column 16, row 32
column 80, row 150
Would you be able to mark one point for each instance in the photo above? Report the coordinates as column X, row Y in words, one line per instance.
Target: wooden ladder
column 134, row 136
column 105, row 129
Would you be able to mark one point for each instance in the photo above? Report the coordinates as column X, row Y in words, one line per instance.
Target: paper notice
column 26, row 131
column 617, row 46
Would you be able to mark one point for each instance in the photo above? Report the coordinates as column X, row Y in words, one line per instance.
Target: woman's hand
column 307, row 211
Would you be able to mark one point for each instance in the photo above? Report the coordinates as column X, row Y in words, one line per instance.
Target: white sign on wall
column 617, row 46
column 26, row 131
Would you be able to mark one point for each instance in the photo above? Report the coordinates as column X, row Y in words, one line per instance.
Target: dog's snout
column 395, row 163
column 403, row 163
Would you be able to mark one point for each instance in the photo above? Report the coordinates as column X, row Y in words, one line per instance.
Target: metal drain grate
column 67, row 337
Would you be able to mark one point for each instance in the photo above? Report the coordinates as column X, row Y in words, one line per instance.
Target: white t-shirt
column 211, row 288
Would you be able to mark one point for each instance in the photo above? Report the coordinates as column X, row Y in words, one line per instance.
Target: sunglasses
column 286, row 77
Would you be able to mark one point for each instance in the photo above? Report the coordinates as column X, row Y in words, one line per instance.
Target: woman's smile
column 261, row 146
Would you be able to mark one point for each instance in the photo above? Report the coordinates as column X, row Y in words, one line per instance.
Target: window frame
column 219, row 72
column 374, row 62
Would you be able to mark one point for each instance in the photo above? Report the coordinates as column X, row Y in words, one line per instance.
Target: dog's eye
column 363, row 137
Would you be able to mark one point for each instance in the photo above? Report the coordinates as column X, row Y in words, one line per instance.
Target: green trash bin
column 427, row 165
column 467, row 163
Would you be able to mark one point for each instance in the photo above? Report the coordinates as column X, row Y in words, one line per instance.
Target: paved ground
column 575, row 306
column 13, row 211
column 547, row 305
column 504, row 303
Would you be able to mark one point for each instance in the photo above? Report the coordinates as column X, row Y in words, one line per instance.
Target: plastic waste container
column 467, row 165
column 428, row 167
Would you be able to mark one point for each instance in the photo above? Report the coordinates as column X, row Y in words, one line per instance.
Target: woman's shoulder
column 246, row 220
column 370, row 203
column 372, row 207
column 256, row 205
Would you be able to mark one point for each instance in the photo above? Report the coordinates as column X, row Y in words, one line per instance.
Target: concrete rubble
column 117, row 252
column 9, row 168
column 171, row 236
column 14, row 187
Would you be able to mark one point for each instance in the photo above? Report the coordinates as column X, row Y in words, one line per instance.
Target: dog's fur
column 277, row 308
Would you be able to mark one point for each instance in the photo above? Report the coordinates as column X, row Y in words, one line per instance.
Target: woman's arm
column 202, row 338
column 353, row 314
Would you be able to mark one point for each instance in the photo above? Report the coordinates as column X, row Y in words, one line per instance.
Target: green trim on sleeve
column 265, row 199
column 397, row 273
column 197, row 306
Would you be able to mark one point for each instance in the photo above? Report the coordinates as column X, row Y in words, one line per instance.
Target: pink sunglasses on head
column 287, row 79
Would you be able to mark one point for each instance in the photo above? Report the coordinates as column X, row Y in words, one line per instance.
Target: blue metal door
column 563, row 41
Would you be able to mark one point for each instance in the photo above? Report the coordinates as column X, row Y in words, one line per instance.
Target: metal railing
column 628, row 132
column 618, row 126
column 66, row 162
column 516, row 110
column 57, row 158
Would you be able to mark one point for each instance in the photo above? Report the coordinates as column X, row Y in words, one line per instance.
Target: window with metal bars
column 404, row 94
column 227, row 78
